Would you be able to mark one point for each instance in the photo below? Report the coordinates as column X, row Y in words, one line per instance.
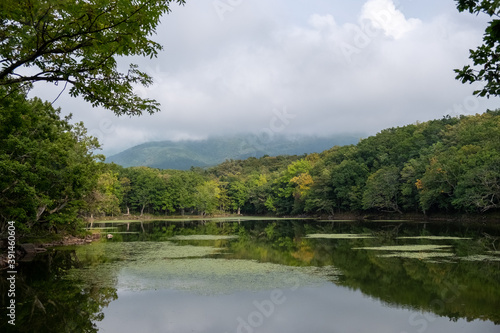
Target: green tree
column 107, row 196
column 410, row 175
column 478, row 188
column 382, row 189
column 181, row 187
column 47, row 164
column 79, row 42
column 207, row 197
column 486, row 58
column 238, row 194
column 348, row 180
column 462, row 169
column 146, row 188
column 125, row 191
column 287, row 189
column 321, row 197
column 259, row 193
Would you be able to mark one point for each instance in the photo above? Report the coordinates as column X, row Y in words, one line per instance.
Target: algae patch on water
column 417, row 255
column 407, row 248
column 421, row 252
column 141, row 251
column 435, row 238
column 340, row 236
column 220, row 276
column 203, row 237
column 138, row 266
column 481, row 257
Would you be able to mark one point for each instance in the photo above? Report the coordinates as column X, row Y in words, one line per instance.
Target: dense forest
column 451, row 165
column 52, row 179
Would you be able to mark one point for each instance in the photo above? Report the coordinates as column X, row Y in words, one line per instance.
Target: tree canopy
column 78, row 42
column 47, row 165
column 486, row 58
column 449, row 165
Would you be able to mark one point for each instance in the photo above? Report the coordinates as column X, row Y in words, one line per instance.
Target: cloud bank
column 235, row 66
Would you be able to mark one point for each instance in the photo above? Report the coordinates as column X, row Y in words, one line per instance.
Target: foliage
column 207, row 196
column 239, row 194
column 486, row 56
column 47, row 164
column 382, row 189
column 79, row 42
column 450, row 165
column 106, row 197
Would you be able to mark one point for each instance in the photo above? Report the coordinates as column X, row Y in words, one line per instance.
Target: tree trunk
column 40, row 211
column 238, row 211
column 142, row 209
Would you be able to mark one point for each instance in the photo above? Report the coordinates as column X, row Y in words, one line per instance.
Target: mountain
column 182, row 155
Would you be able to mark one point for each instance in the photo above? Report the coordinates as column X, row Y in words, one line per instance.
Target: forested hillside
column 51, row 179
column 183, row 155
column 451, row 165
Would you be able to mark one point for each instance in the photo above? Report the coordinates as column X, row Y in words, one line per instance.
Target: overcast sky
column 309, row 67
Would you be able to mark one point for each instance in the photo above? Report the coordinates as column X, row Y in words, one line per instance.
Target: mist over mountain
column 182, row 155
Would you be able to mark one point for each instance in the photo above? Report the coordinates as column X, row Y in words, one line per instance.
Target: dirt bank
column 27, row 251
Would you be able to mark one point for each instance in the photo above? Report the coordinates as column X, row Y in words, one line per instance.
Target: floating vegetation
column 203, row 237
column 421, row 252
column 220, row 276
column 435, row 237
column 481, row 257
column 408, row 248
column 417, row 255
column 142, row 251
column 150, row 265
column 340, row 236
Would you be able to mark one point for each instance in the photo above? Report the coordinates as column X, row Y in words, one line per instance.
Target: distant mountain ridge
column 182, row 155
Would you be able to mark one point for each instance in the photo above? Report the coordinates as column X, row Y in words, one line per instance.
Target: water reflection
column 327, row 308
column 161, row 277
column 47, row 302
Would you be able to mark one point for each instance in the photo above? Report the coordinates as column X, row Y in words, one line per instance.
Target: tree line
column 52, row 178
column 451, row 165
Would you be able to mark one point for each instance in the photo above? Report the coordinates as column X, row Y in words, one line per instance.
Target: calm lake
column 266, row 275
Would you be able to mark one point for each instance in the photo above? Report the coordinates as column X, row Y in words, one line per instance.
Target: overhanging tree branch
column 77, row 42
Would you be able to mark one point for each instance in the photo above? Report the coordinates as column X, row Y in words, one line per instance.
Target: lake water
column 264, row 275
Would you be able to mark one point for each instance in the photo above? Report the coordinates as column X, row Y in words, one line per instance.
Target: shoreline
column 26, row 251
column 489, row 218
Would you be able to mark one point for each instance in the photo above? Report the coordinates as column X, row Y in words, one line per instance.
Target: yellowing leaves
column 304, row 182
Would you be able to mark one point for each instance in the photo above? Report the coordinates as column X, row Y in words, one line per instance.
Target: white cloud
column 217, row 77
column 383, row 14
